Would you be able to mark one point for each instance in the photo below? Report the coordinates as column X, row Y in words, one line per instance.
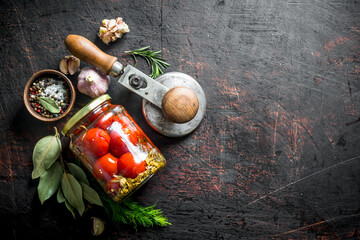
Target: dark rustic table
column 277, row 154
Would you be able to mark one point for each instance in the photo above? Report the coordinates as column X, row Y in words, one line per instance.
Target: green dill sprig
column 152, row 58
column 131, row 213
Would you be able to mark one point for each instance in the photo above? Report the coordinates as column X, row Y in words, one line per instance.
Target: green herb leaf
column 129, row 212
column 46, row 151
column 152, row 58
column 77, row 172
column 70, row 208
column 49, row 182
column 90, row 194
column 49, row 104
column 61, row 199
column 60, row 196
column 72, row 192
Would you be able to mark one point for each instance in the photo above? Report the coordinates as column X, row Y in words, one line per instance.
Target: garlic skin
column 92, row 82
column 69, row 64
column 112, row 29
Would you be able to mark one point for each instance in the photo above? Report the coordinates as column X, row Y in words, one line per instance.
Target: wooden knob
column 180, row 105
column 87, row 51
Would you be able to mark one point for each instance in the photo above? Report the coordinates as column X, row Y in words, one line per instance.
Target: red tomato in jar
column 131, row 130
column 105, row 167
column 113, row 186
column 96, row 141
column 117, row 145
column 128, row 167
column 127, row 127
column 95, row 115
column 106, row 120
column 125, row 121
column 133, row 134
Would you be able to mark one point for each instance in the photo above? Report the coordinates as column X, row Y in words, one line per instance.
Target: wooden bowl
column 44, row 73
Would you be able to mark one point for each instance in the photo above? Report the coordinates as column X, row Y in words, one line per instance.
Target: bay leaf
column 45, row 153
column 49, row 182
column 77, row 172
column 90, row 194
column 60, row 196
column 73, row 192
column 70, row 208
column 49, row 104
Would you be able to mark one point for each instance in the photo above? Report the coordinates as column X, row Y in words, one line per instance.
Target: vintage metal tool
column 174, row 104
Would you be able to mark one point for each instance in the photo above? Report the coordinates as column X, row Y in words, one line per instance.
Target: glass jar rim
column 83, row 112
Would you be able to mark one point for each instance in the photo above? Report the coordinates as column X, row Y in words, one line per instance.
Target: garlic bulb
column 69, row 64
column 92, row 82
column 112, row 29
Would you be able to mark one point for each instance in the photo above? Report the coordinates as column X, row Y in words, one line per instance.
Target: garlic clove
column 124, row 28
column 105, row 23
column 116, row 28
column 69, row 64
column 73, row 65
column 102, row 31
column 112, row 24
column 119, row 20
column 107, row 37
column 98, row 226
column 63, row 66
column 122, row 182
column 118, row 34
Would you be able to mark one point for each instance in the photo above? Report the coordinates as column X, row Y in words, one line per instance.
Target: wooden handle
column 180, row 105
column 87, row 51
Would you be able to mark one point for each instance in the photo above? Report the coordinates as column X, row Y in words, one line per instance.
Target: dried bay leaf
column 49, row 104
column 60, row 196
column 78, row 173
column 49, row 182
column 61, row 199
column 70, row 208
column 45, row 153
column 90, row 194
column 72, row 192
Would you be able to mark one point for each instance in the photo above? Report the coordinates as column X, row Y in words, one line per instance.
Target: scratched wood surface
column 278, row 153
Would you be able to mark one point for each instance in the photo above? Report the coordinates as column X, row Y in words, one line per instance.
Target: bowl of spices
column 49, row 95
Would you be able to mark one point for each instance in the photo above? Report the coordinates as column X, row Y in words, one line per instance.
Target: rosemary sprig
column 152, row 58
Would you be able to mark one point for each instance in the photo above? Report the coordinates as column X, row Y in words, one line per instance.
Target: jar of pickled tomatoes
column 112, row 147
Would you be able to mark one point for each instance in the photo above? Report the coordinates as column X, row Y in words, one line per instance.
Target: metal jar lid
column 83, row 112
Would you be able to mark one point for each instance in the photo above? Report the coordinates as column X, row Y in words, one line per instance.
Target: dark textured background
column 277, row 154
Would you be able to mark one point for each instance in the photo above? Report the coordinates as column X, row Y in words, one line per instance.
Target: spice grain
column 49, row 87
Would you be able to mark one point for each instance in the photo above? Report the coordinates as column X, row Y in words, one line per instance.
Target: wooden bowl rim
column 26, row 93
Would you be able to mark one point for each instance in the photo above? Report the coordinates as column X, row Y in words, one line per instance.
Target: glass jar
column 113, row 147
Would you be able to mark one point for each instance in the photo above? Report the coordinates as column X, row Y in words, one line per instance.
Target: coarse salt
column 56, row 90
